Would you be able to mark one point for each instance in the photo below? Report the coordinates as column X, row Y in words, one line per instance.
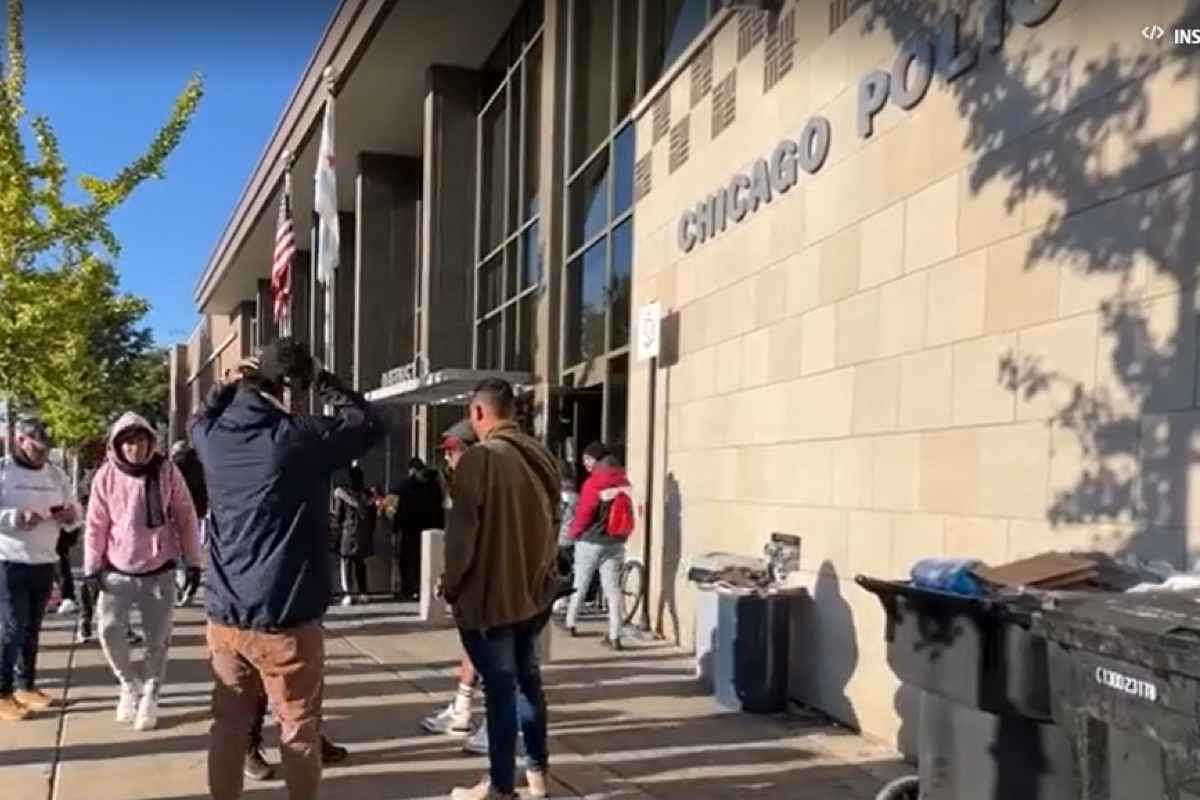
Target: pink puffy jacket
column 118, row 536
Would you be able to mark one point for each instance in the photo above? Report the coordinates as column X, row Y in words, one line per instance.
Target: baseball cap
column 458, row 436
column 34, row 428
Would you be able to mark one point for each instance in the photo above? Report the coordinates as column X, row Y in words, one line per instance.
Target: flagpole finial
column 330, row 75
column 289, row 158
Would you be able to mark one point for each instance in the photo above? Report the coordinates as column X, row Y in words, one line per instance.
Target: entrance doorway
column 585, row 412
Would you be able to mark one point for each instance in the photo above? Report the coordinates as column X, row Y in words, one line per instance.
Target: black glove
column 92, row 584
column 326, row 382
column 191, row 581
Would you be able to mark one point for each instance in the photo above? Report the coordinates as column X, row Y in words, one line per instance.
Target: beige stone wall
column 972, row 334
column 207, row 337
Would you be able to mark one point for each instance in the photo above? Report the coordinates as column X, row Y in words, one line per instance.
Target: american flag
column 285, row 248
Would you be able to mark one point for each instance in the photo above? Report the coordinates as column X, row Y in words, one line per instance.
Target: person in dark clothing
column 418, row 508
column 354, row 514
column 189, row 465
column 268, row 579
column 67, row 540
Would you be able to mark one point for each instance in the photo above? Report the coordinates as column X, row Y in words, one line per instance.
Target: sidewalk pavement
column 623, row 725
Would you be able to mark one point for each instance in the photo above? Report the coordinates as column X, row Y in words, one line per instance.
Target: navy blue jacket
column 268, row 475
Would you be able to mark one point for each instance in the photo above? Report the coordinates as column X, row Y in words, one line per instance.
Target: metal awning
column 444, row 387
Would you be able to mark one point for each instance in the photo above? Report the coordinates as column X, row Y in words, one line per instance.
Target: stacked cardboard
column 1046, row 571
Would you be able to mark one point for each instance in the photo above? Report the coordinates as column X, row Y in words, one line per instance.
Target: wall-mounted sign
column 401, row 374
column 649, row 331
column 944, row 51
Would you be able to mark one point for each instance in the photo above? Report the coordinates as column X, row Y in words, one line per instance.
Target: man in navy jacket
column 268, row 583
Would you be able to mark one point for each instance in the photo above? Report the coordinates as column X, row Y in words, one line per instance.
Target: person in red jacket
column 596, row 548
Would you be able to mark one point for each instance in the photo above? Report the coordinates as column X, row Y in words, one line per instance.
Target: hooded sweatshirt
column 120, row 535
column 599, row 490
column 38, row 490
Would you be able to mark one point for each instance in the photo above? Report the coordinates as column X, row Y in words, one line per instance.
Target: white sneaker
column 147, row 712
column 347, row 601
column 364, row 600
column 447, row 722
column 477, row 742
column 127, row 706
column 67, row 607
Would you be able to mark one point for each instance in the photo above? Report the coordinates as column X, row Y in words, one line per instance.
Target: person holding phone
column 36, row 502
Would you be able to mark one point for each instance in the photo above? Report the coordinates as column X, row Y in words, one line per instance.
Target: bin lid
column 1010, row 607
column 1161, row 631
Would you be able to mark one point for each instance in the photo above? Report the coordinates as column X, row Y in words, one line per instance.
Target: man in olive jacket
column 501, row 546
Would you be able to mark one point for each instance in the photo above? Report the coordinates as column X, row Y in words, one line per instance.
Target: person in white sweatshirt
column 36, row 502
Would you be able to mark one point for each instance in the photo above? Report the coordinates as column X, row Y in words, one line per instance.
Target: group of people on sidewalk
column 141, row 524
column 260, row 477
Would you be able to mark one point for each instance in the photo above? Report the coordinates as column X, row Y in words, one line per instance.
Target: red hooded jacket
column 591, row 514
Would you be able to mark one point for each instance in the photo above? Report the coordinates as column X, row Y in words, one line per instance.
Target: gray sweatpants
column 608, row 559
column 154, row 596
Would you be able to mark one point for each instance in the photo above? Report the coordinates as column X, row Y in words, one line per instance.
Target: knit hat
column 32, row 427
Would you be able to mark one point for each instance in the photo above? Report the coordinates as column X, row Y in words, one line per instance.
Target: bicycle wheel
column 633, row 589
column 907, row 788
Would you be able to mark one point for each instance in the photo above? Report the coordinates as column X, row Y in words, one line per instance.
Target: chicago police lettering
column 945, row 52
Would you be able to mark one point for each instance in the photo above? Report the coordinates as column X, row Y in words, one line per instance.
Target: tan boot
column 35, row 700
column 11, row 710
column 480, row 791
column 536, row 780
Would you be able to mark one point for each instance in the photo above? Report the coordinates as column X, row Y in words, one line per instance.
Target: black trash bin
column 743, row 642
column 986, row 728
column 1125, row 680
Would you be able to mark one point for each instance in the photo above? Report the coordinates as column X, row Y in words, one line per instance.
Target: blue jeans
column 24, row 594
column 507, row 660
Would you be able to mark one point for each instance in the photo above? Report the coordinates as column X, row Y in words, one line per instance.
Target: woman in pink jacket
column 140, row 525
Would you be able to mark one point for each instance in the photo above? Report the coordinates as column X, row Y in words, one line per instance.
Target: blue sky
column 106, row 73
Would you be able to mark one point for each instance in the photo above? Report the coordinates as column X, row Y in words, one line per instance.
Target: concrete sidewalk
column 628, row 725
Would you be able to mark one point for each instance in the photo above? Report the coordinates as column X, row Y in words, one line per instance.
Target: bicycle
column 633, row 589
column 632, row 583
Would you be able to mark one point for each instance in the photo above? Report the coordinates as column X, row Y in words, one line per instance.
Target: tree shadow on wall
column 1087, row 133
column 1092, row 141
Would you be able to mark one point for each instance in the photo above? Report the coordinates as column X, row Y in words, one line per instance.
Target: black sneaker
column 257, row 768
column 332, row 753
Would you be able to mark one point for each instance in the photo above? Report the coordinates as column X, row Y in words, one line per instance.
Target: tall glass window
column 508, row 260
column 618, row 50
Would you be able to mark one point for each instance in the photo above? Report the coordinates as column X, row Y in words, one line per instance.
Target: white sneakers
column 147, row 713
column 127, row 706
column 67, row 607
column 448, row 722
column 138, row 706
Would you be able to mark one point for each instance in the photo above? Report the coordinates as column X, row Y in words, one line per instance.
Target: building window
column 508, row 259
column 618, row 50
column 671, row 25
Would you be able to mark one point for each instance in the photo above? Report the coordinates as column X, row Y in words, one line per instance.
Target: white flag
column 328, row 235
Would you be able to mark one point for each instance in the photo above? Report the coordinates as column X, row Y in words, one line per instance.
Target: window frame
column 598, row 369
column 514, row 231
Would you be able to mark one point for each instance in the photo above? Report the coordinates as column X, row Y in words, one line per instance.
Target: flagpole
column 330, row 280
column 289, row 158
